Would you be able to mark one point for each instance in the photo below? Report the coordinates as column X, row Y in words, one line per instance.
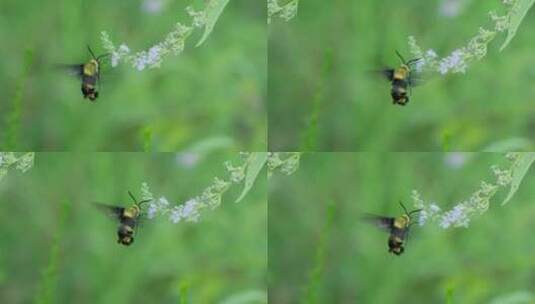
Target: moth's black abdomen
column 130, row 222
column 395, row 245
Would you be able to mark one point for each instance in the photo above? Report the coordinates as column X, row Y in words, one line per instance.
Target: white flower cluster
column 199, row 18
column 191, row 210
column 22, row 162
column 286, row 162
column 210, row 198
column 173, row 43
column 462, row 212
column 188, row 211
column 285, row 12
column 457, row 217
column 459, row 59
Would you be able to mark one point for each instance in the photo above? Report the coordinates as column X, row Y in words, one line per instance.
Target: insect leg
column 415, row 211
column 144, row 202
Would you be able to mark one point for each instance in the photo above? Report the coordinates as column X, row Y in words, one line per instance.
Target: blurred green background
column 220, row 259
column 344, row 260
column 322, row 96
column 200, row 95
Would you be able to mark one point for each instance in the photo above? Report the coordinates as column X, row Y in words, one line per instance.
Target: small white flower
column 456, row 217
column 154, row 55
column 434, row 208
column 145, row 192
column 199, row 18
column 124, row 49
column 151, row 212
column 139, row 63
column 431, row 54
column 443, row 67
column 163, row 202
column 191, row 210
column 115, row 59
column 176, row 215
column 422, row 218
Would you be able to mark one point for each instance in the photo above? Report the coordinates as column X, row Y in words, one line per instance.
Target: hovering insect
column 89, row 73
column 398, row 227
column 128, row 219
column 402, row 79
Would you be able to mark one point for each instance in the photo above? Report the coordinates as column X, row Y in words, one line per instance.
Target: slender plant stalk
column 12, row 124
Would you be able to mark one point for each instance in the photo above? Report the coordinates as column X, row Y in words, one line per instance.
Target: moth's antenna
column 91, row 52
column 403, row 206
column 132, row 196
column 401, row 57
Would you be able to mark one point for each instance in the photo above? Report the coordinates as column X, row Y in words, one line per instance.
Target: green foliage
column 446, row 113
column 214, row 8
column 285, row 11
column 449, row 295
column 147, row 138
column 284, row 162
column 309, row 141
column 203, row 93
column 21, row 161
column 247, row 297
column 519, row 297
column 49, row 281
column 516, row 15
column 486, row 261
column 12, row 125
column 315, row 276
column 183, row 289
column 52, row 256
column 510, row 144
column 255, row 163
column 522, row 163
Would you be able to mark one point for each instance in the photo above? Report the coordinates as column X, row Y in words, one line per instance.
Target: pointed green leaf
column 520, row 168
column 256, row 163
column 214, row 8
column 516, row 15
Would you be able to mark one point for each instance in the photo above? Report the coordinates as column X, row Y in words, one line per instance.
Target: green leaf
column 214, row 8
column 256, row 163
column 510, row 144
column 247, row 297
column 519, row 170
column 211, row 144
column 449, row 295
column 516, row 15
column 517, row 297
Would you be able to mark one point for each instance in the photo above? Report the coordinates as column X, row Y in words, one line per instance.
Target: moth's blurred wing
column 387, row 73
column 382, row 222
column 384, row 73
column 76, row 70
column 114, row 212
